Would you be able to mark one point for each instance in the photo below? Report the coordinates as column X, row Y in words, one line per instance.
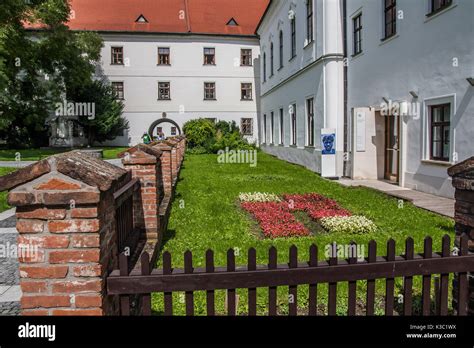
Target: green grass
column 3, row 195
column 39, row 154
column 205, row 215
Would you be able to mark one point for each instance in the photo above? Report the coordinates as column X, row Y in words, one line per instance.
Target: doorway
column 392, row 148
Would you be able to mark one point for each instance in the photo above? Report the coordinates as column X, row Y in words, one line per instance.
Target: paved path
column 436, row 204
column 15, row 164
column 10, row 292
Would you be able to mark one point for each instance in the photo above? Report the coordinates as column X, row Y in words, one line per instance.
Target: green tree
column 107, row 123
column 39, row 66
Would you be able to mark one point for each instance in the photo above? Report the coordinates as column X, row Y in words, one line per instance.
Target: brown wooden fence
column 293, row 274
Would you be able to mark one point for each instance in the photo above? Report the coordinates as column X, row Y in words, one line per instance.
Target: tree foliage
column 107, row 122
column 39, row 66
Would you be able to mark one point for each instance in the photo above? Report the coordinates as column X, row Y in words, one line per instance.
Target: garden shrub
column 199, row 133
column 204, row 136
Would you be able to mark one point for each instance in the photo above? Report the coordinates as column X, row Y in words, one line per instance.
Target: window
column 141, row 19
column 310, row 111
column 293, row 37
column 246, row 126
column 209, row 91
column 232, row 22
column 164, row 91
column 438, row 5
column 272, row 124
column 281, row 49
column 163, row 56
column 246, row 57
column 265, row 129
column 264, row 67
column 293, row 124
column 309, row 21
column 118, row 90
column 271, row 60
column 246, row 91
column 159, row 130
column 282, row 134
column 357, row 34
column 173, row 131
column 117, row 56
column 209, row 56
column 390, row 13
column 440, row 129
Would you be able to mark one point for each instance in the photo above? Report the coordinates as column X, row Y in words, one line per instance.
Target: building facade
column 182, row 78
column 410, row 104
column 171, row 61
column 302, row 91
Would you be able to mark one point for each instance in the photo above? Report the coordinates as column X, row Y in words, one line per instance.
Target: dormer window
column 232, row 22
column 141, row 19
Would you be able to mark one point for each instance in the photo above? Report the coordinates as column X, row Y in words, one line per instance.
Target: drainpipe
column 346, row 115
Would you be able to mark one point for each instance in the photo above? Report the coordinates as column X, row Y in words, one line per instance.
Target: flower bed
column 276, row 219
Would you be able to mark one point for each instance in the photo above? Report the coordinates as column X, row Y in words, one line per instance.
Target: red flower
column 276, row 218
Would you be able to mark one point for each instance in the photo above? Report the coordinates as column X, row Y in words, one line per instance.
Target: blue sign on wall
column 328, row 144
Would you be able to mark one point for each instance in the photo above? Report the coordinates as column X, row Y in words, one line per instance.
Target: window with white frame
column 390, row 18
column 310, row 121
column 440, row 129
column 282, row 129
column 309, row 21
column 272, row 127
column 164, row 91
column 246, row 126
column 293, row 124
column 357, row 34
column 209, row 91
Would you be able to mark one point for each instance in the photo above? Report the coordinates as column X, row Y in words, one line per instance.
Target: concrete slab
column 12, row 294
column 439, row 205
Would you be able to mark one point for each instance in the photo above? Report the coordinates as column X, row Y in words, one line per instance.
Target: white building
column 417, row 55
column 178, row 60
column 302, row 89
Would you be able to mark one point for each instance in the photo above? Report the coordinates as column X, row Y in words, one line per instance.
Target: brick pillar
column 463, row 181
column 144, row 163
column 67, row 246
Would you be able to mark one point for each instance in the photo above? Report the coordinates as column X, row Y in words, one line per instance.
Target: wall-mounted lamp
column 470, row 80
column 414, row 94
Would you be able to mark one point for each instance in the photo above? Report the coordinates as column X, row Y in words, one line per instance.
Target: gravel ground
column 9, row 275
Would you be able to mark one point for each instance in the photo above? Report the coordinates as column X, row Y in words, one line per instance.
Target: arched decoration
column 160, row 121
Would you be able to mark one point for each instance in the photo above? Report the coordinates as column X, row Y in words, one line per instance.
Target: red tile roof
column 168, row 16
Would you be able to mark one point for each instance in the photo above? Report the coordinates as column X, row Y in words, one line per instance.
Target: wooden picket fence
column 313, row 272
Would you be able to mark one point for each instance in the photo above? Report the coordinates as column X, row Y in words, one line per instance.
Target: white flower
column 259, row 197
column 348, row 224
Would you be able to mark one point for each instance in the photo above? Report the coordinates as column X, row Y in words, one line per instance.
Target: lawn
column 39, row 154
column 206, row 215
column 3, row 195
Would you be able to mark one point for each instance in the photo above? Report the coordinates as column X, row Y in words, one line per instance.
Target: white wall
column 186, row 74
column 419, row 58
column 316, row 71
